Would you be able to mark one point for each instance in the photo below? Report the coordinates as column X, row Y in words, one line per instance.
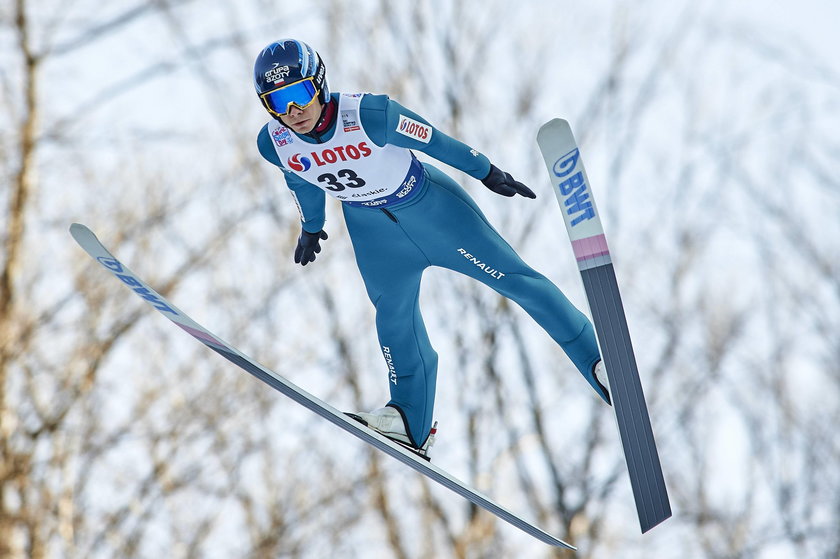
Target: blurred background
column 711, row 135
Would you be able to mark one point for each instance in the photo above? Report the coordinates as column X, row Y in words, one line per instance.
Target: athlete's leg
column 391, row 266
column 470, row 245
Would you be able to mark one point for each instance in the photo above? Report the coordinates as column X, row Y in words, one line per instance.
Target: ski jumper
column 404, row 216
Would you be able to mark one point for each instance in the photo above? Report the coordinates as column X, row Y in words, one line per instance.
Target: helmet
column 289, row 72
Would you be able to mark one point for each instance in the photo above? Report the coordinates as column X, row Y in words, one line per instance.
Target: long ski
column 583, row 223
column 88, row 241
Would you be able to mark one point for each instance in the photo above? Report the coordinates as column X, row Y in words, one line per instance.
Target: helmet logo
column 277, row 73
column 298, row 163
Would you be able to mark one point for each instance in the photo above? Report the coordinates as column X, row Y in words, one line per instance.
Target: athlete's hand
column 308, row 245
column 502, row 183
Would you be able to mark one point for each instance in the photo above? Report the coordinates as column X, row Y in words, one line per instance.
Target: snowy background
column 711, row 135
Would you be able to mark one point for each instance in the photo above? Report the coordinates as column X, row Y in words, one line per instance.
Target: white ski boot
column 600, row 374
column 389, row 422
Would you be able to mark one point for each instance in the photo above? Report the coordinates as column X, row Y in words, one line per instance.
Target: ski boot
column 599, row 374
column 388, row 421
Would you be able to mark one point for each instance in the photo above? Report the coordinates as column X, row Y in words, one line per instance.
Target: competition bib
column 350, row 167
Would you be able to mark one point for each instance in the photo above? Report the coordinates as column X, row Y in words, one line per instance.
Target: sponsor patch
column 135, row 284
column 573, row 189
column 483, row 266
column 281, row 136
column 299, row 163
column 350, row 120
column 277, row 73
column 392, row 371
column 413, row 129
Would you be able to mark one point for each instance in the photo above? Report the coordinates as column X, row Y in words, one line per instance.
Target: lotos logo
column 573, row 188
column 299, row 163
column 328, row 156
column 413, row 129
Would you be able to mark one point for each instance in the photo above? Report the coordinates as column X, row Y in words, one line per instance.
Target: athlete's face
column 302, row 121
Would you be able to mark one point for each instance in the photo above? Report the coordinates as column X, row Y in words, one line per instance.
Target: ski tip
column 78, row 228
column 552, row 125
column 79, row 231
column 84, row 236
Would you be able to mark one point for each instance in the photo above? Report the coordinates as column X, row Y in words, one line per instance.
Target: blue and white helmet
column 283, row 63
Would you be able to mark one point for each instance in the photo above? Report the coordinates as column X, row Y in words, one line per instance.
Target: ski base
column 631, row 411
column 583, row 224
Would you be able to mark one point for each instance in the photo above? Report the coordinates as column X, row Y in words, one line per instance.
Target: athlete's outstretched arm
column 387, row 121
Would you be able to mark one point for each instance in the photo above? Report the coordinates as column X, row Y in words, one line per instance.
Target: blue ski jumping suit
column 424, row 219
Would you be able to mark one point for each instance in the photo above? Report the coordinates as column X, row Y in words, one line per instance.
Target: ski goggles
column 301, row 94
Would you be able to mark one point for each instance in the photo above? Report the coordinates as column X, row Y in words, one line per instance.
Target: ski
column 583, row 223
column 88, row 241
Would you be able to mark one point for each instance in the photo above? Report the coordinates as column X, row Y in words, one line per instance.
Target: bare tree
column 99, row 448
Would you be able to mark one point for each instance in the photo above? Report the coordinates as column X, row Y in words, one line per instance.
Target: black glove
column 308, row 244
column 502, row 183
